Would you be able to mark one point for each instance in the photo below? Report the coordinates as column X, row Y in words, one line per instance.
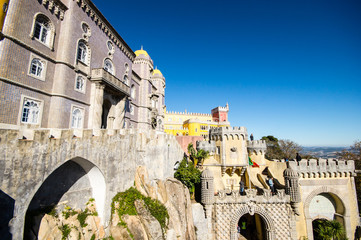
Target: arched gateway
column 269, row 225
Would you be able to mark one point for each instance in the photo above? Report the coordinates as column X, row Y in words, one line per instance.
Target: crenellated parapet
column 257, row 146
column 323, row 168
column 189, row 114
column 251, row 195
column 239, row 133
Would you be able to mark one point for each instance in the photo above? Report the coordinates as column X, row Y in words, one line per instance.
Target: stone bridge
column 46, row 167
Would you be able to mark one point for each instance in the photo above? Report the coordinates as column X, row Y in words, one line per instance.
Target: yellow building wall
column 2, row 12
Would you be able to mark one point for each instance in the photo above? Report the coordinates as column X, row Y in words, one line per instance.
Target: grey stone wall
column 86, row 162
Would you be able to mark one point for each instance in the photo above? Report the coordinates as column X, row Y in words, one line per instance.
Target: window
column 31, row 111
column 125, row 79
column 36, row 67
column 82, row 55
column 80, row 84
column 110, row 46
column 132, row 92
column 108, row 66
column 131, row 109
column 76, row 118
column 42, row 29
column 126, row 67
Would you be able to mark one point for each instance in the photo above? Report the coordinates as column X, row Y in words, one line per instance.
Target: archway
column 254, row 213
column 325, row 203
column 252, row 227
column 105, row 112
column 74, row 182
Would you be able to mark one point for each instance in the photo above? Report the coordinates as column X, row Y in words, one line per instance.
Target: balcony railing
column 99, row 74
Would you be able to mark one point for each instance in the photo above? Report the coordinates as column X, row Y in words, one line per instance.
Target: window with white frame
column 125, row 79
column 132, row 92
column 42, row 29
column 36, row 67
column 80, row 83
column 108, row 66
column 77, row 118
column 31, row 111
column 82, row 54
column 131, row 109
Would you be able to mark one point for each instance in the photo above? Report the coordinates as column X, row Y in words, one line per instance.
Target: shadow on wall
column 6, row 212
column 49, row 195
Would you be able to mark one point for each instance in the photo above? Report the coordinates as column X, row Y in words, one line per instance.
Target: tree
column 273, row 148
column 329, row 230
column 197, row 157
column 188, row 174
column 280, row 149
column 289, row 148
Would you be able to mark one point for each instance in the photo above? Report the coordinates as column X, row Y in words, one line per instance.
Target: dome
column 289, row 172
column 140, row 52
column 207, row 173
column 156, row 71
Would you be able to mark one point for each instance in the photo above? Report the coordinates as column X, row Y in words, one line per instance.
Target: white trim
column 21, row 108
column 84, row 83
column 82, row 111
column 43, row 71
column 50, row 39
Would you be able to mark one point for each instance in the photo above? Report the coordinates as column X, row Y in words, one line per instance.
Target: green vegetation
column 328, row 230
column 126, row 200
column 188, row 174
column 197, row 157
column 65, row 231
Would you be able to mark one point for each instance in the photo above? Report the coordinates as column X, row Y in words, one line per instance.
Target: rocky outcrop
column 200, row 222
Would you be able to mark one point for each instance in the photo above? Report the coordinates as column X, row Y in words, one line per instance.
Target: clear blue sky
column 291, row 69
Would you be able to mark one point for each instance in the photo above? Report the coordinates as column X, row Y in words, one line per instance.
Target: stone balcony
column 100, row 75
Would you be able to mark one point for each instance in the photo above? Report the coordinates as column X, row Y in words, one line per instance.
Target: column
column 96, row 107
column 119, row 114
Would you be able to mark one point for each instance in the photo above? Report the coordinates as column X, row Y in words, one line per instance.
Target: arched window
column 43, row 30
column 80, row 83
column 31, row 111
column 36, row 67
column 132, row 92
column 76, row 119
column 82, row 55
column 108, row 66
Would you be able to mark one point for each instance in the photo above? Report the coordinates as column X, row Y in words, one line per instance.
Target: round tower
column 292, row 188
column 207, row 187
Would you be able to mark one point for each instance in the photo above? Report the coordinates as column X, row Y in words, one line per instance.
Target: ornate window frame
column 42, row 75
column 30, row 110
column 49, row 42
column 108, row 62
column 76, row 121
column 82, row 85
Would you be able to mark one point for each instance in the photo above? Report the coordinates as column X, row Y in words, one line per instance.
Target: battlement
column 189, row 114
column 257, row 145
column 207, row 146
column 229, row 130
column 228, row 196
column 52, row 134
column 314, row 168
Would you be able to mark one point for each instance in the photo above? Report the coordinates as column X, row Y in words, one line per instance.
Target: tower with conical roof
column 152, row 85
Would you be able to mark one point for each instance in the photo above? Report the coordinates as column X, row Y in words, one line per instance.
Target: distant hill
column 322, row 152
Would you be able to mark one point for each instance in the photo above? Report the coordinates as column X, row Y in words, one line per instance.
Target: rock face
column 200, row 222
column 171, row 193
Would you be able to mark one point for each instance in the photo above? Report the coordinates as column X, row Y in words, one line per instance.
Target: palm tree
column 197, row 157
column 330, row 230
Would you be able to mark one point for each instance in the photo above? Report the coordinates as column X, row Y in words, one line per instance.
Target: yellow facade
column 4, row 6
column 190, row 124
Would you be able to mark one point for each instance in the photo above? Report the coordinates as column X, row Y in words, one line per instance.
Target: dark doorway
column 252, row 227
column 106, row 108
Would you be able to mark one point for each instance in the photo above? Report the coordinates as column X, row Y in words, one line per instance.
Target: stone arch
column 242, row 136
column 270, row 228
column 237, row 135
column 226, row 137
column 75, row 181
column 340, row 206
column 231, row 137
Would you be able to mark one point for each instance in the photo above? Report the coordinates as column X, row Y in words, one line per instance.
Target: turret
column 292, row 189
column 207, row 187
column 257, row 151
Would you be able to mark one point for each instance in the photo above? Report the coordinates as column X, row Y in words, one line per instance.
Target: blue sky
column 291, row 69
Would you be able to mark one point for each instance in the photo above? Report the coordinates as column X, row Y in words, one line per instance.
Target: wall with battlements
column 107, row 161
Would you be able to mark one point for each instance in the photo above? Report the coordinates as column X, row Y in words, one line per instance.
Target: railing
column 264, row 196
column 99, row 74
